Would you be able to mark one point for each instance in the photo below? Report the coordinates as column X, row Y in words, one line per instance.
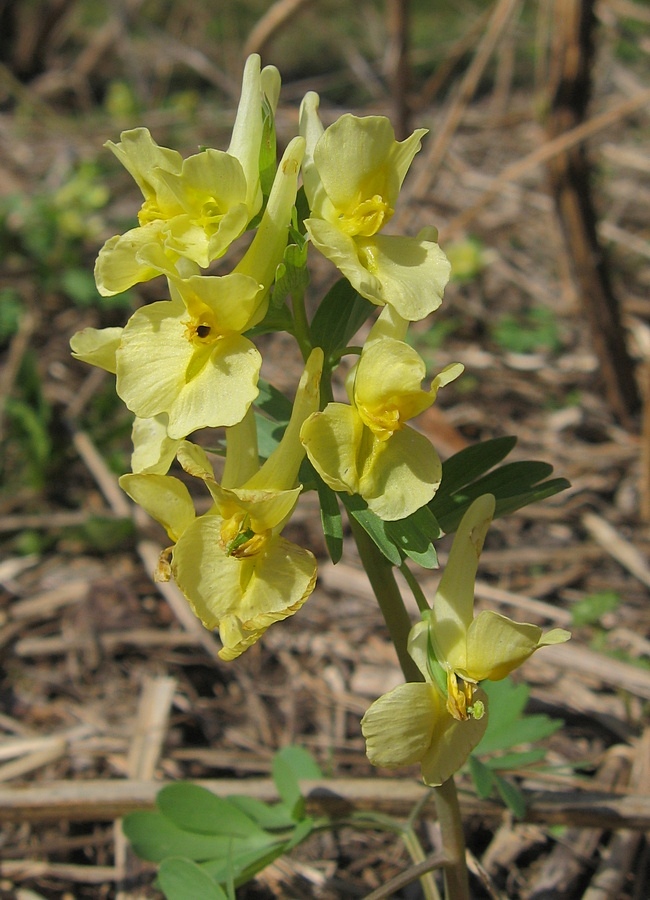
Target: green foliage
column 339, row 316
column 28, row 443
column 10, row 311
column 467, row 475
column 535, row 330
column 49, row 233
column 591, row 608
column 467, row 258
column 508, row 727
column 205, row 843
column 410, row 537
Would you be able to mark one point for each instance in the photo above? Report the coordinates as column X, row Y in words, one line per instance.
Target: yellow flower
column 488, row 646
column 186, row 358
column 235, row 569
column 366, row 448
column 194, row 208
column 439, row 722
column 353, row 172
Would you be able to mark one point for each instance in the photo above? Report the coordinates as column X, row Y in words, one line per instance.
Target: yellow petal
column 311, row 128
column 97, row 346
column 140, row 155
column 267, row 510
column 194, row 461
column 153, row 449
column 160, row 369
column 398, row 727
column 247, row 595
column 280, row 471
column 331, row 439
column 164, row 497
column 387, row 386
column 451, row 743
column 118, row 268
column 399, row 475
column 247, row 129
column 359, row 158
column 342, row 250
column 453, row 605
column 411, row 273
column 496, row 645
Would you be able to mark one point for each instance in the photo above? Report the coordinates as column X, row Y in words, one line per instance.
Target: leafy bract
column 467, row 475
column 330, row 514
column 412, row 536
column 339, row 316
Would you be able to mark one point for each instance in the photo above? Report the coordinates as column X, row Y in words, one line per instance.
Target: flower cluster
column 191, row 362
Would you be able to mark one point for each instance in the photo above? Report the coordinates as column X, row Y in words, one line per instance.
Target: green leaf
column 300, row 833
column 301, row 761
column 339, row 316
column 271, row 420
column 273, row 402
column 269, row 435
column 589, row 610
column 482, row 777
column 515, row 760
column 507, row 725
column 198, row 810
column 373, row 525
column 182, row 879
column 514, row 485
column 245, row 865
column 467, row 465
column 289, row 766
column 511, row 796
column 330, row 514
column 270, row 816
column 415, row 535
column 154, row 837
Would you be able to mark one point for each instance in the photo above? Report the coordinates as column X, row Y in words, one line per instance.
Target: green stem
column 417, row 591
column 380, row 574
column 417, row 854
column 453, row 841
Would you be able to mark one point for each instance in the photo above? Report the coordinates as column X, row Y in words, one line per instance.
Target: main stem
column 380, row 574
column 453, row 840
column 382, row 580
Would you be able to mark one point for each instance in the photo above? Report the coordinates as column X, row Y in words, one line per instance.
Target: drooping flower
column 366, row 448
column 193, row 208
column 353, row 172
column 235, row 569
column 186, row 358
column 439, row 722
